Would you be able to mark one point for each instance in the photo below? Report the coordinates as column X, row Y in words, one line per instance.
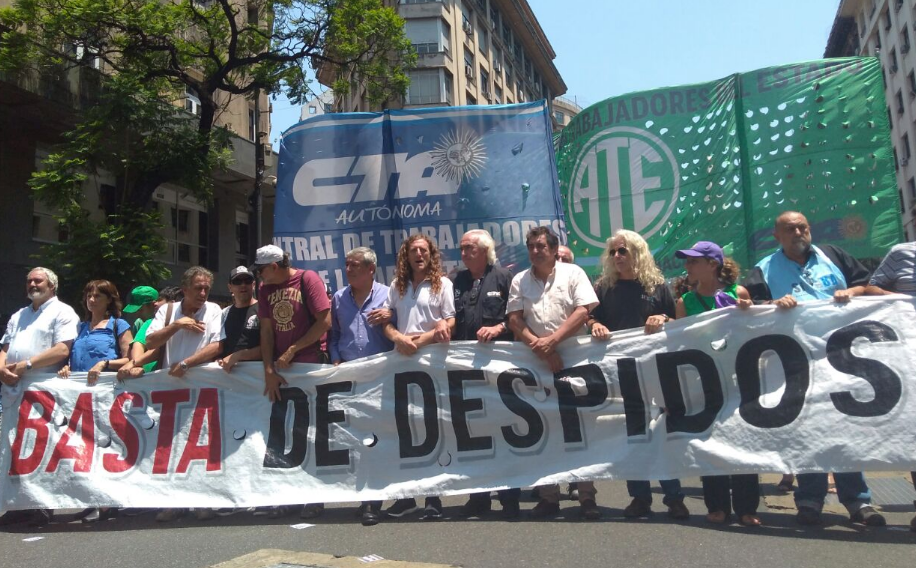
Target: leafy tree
column 152, row 52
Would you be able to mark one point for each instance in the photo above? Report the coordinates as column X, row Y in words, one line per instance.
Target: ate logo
column 624, row 178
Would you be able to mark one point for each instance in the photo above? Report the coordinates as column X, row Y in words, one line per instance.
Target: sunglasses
column 622, row 251
column 241, row 281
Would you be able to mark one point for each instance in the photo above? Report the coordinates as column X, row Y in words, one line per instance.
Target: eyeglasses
column 621, row 251
column 475, row 293
column 242, row 281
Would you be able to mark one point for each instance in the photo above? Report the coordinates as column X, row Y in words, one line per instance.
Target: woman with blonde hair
column 632, row 293
column 712, row 278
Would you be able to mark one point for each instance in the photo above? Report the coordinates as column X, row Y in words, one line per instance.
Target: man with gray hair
column 37, row 339
column 358, row 319
column 565, row 255
column 481, row 292
column 189, row 331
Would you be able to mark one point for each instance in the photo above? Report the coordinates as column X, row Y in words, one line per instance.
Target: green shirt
column 693, row 305
column 141, row 339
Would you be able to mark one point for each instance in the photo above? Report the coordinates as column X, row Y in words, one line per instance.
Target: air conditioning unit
column 497, row 66
column 468, row 71
column 467, row 27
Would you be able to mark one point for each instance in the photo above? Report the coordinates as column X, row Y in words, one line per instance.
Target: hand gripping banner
column 723, row 159
column 820, row 387
column 372, row 179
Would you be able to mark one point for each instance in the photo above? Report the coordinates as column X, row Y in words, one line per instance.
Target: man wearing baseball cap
column 241, row 330
column 294, row 312
column 144, row 301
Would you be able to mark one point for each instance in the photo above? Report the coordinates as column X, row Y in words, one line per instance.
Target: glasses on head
column 242, row 281
column 620, row 251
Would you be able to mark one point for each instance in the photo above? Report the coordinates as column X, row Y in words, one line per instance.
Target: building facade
column 886, row 29
column 564, row 110
column 34, row 112
column 470, row 52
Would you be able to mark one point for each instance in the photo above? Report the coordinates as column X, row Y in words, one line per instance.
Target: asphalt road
column 140, row 542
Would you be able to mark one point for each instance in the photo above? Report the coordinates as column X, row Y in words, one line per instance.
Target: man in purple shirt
column 357, row 323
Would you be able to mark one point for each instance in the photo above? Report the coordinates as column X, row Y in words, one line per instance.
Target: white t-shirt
column 419, row 310
column 546, row 305
column 30, row 332
column 186, row 343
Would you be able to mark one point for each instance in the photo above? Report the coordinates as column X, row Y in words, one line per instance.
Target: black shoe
column 869, row 517
column 808, row 516
column 31, row 517
column 370, row 517
column 401, row 507
column 544, row 509
column 511, row 510
column 433, row 509
column 589, row 510
column 476, row 506
column 311, row 511
column 638, row 509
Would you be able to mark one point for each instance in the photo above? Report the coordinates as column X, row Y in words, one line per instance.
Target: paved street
column 140, row 542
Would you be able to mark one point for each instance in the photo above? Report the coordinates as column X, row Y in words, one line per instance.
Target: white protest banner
column 822, row 386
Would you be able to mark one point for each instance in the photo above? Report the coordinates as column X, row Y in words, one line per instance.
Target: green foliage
column 125, row 251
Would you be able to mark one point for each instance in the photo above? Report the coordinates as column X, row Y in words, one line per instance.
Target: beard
column 35, row 295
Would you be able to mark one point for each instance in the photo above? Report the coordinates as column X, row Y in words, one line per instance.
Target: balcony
column 408, row 9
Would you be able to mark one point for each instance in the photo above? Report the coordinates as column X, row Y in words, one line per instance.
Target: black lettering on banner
column 570, row 403
column 634, row 406
column 668, row 376
column 520, row 408
column 275, row 457
column 460, row 407
column 795, row 367
column 402, row 383
column 324, row 455
column 886, row 383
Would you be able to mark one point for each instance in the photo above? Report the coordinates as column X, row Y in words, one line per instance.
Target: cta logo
column 624, row 178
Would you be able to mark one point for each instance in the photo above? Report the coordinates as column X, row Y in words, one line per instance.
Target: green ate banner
column 721, row 160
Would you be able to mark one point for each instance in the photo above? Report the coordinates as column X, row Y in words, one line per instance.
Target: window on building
column 559, row 116
column 187, row 231
column 446, row 37
column 482, row 4
column 507, row 35
column 497, row 95
column 468, row 64
column 484, row 82
column 242, row 238
column 911, row 185
column 494, row 19
column 899, row 98
column 313, row 109
column 471, row 100
column 424, row 87
column 467, row 26
column 252, row 15
column 447, row 83
column 425, row 35
column 520, row 92
column 191, row 101
column 483, row 38
column 517, row 49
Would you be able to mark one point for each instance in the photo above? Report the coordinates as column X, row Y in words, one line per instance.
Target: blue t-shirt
column 818, row 279
column 94, row 345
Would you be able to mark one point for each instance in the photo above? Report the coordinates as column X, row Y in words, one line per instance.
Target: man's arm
column 54, row 355
column 7, row 376
column 520, row 328
column 272, row 380
column 547, row 345
column 312, row 335
column 159, row 337
column 205, row 355
column 430, row 337
column 403, row 343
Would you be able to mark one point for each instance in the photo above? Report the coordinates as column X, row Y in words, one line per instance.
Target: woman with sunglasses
column 632, row 293
column 712, row 279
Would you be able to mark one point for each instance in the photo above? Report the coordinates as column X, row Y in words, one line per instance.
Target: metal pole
column 255, row 200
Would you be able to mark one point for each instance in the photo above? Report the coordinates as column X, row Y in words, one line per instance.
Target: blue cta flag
column 373, row 179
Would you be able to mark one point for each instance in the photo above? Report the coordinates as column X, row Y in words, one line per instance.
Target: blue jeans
column 851, row 490
column 641, row 490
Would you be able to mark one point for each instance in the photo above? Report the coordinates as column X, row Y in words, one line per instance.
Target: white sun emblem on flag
column 459, row 155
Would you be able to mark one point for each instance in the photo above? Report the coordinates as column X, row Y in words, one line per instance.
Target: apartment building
column 34, row 112
column 470, row 52
column 886, row 29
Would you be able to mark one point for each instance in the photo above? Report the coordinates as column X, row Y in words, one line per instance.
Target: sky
column 607, row 48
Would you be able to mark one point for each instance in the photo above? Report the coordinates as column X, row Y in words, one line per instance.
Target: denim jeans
column 671, row 487
column 851, row 490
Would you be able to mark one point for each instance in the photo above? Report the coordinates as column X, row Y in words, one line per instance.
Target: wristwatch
column 28, row 364
column 183, row 365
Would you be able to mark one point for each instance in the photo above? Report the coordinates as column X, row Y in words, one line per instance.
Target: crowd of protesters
column 293, row 318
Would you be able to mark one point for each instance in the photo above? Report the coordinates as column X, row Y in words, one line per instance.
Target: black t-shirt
column 626, row 305
column 484, row 308
column 241, row 328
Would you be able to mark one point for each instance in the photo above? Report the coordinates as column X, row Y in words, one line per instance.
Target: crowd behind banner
column 292, row 318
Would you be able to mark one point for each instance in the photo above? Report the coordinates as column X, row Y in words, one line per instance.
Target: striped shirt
column 897, row 272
